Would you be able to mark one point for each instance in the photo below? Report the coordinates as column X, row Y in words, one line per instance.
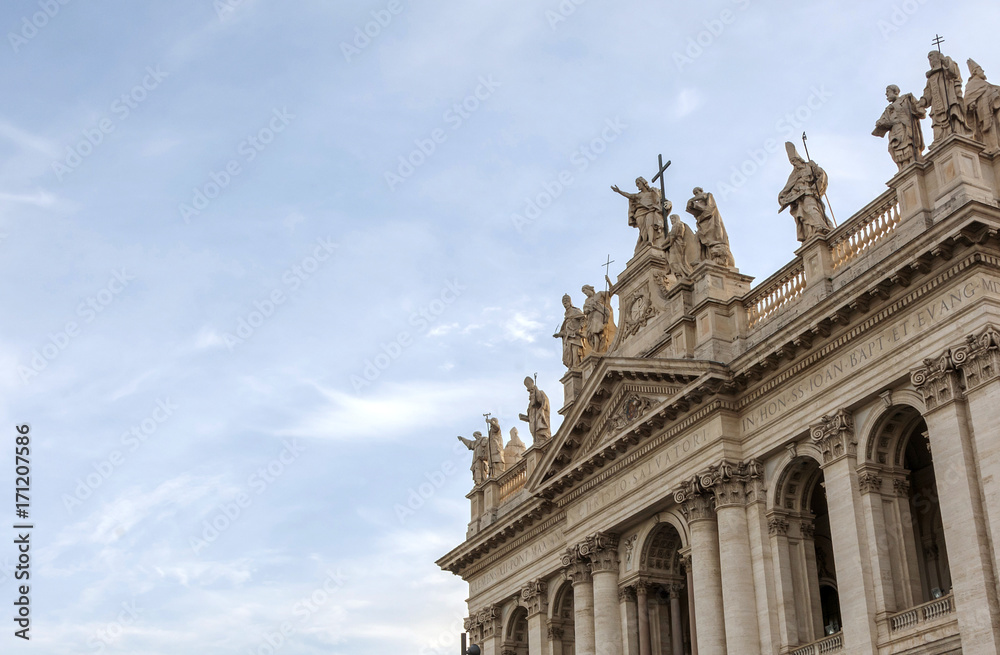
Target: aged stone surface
column 600, row 319
column 645, row 212
column 711, row 231
column 807, row 466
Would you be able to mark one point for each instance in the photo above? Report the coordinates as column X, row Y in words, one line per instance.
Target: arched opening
column 561, row 625
column 800, row 528
column 918, row 555
column 516, row 636
column 667, row 623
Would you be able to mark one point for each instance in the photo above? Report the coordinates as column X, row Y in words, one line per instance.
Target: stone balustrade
column 922, row 613
column 831, row 644
column 863, row 230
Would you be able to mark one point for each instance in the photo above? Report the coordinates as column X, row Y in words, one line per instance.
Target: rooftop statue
column 711, row 230
column 683, row 248
column 646, row 213
column 573, row 334
column 943, row 94
column 539, row 413
column 480, row 447
column 901, row 121
column 982, row 102
column 600, row 330
column 497, row 463
column 803, row 195
column 514, row 450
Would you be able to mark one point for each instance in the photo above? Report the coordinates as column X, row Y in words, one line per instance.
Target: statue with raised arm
column 480, row 447
column 803, row 196
column 901, row 121
column 538, row 416
column 497, row 463
column 711, row 230
column 573, row 334
column 645, row 212
column 683, row 248
column 943, row 94
column 600, row 330
column 982, row 104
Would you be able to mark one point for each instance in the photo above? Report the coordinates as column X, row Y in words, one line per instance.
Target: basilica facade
column 809, row 465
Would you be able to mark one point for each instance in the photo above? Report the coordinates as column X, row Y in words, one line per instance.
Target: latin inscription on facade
column 612, row 490
column 915, row 322
column 551, row 541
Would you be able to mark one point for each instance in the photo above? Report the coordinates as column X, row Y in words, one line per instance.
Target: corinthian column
column 534, row 596
column 676, row 631
column 642, row 598
column 577, row 571
column 738, row 595
column 965, row 528
column 602, row 549
column 706, row 576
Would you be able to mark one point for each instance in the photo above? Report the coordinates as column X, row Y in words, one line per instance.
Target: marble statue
column 711, row 230
column 645, row 212
column 480, row 447
column 600, row 317
column 803, row 196
column 683, row 248
column 538, row 415
column 497, row 463
column 943, row 94
column 514, row 450
column 901, row 121
column 982, row 103
column 573, row 335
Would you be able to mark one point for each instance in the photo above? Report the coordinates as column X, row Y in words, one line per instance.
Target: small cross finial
column 607, row 265
column 938, row 40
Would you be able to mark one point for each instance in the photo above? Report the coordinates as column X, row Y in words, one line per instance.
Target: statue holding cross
column 645, row 212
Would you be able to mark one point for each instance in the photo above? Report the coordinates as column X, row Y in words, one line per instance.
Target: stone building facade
column 808, row 466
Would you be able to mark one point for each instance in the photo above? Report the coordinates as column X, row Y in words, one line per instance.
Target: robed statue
column 600, row 319
column 645, row 212
column 901, row 121
column 497, row 463
column 683, row 248
column 982, row 105
column 711, row 230
column 943, row 94
column 538, row 416
column 803, row 196
column 480, row 447
column 573, row 334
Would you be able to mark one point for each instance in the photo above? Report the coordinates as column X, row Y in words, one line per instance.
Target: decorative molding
column 901, row 487
column 674, row 590
column 640, row 310
column 807, row 529
column 534, row 596
column 555, row 633
column 602, row 550
column 630, row 550
column 886, row 397
column 484, row 623
column 626, row 595
column 575, row 568
column 869, row 482
column 979, row 357
column 834, row 435
column 777, row 526
column 938, row 381
column 697, row 504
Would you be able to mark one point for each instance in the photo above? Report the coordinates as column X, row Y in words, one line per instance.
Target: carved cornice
column 534, row 597
column 869, row 482
column 834, row 435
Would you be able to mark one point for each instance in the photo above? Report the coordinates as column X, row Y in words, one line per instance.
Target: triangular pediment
column 618, row 397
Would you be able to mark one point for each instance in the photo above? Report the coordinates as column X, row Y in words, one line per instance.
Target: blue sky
column 262, row 268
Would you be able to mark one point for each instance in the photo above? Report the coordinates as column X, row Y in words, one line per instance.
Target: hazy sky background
column 246, row 236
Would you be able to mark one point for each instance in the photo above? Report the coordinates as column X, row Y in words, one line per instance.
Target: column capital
column 777, row 526
column 807, row 528
column 901, row 487
column 979, row 357
column 834, row 434
column 534, row 596
column 938, row 381
column 555, row 631
column 726, row 480
column 626, row 594
column 869, row 482
column 575, row 568
column 697, row 503
column 674, row 590
column 602, row 550
column 484, row 623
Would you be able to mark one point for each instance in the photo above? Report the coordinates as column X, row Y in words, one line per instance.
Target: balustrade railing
column 865, row 229
column 927, row 612
column 780, row 289
column 513, row 480
column 830, row 644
